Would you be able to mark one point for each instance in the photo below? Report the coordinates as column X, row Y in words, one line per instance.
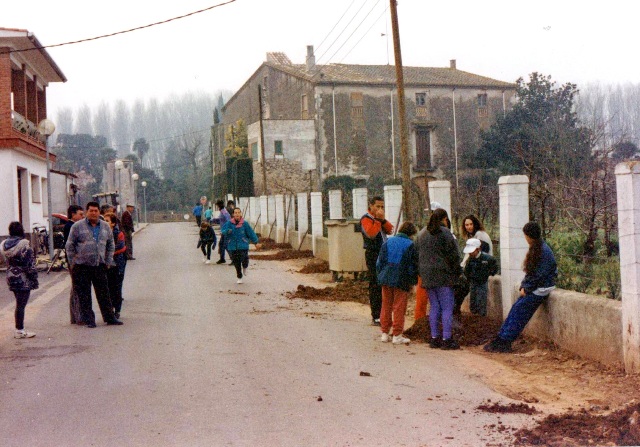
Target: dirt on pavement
column 575, row 401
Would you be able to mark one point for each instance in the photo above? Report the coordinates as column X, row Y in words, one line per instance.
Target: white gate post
column 335, row 204
column 440, row 191
column 628, row 192
column 514, row 214
column 360, row 202
column 393, row 205
column 316, row 217
column 303, row 216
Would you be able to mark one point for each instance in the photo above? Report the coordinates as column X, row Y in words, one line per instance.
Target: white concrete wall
column 254, row 206
column 628, row 192
column 264, row 215
column 32, row 212
column 440, row 191
column 393, row 205
column 360, row 202
column 279, row 233
column 514, row 214
column 316, row 218
column 303, row 216
column 335, row 204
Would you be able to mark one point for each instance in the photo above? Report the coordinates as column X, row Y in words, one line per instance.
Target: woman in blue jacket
column 397, row 269
column 540, row 277
column 238, row 234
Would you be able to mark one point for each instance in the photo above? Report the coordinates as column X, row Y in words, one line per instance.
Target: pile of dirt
column 315, row 265
column 621, row 427
column 283, row 255
column 469, row 329
column 270, row 244
column 510, row 408
column 356, row 291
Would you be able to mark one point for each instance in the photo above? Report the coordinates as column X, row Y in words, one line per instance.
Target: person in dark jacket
column 397, row 268
column 375, row 229
column 239, row 233
column 22, row 276
column 115, row 275
column 128, row 227
column 74, row 214
column 197, row 213
column 207, row 241
column 439, row 265
column 540, row 270
column 477, row 270
column 224, row 218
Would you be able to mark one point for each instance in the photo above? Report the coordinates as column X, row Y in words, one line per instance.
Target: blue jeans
column 519, row 315
column 441, row 301
column 478, row 292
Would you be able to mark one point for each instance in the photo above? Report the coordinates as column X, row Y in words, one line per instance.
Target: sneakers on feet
column 384, row 338
column 239, row 281
column 207, row 262
column 244, row 271
column 221, row 261
column 400, row 340
column 23, row 334
column 435, row 342
column 498, row 345
column 375, row 322
column 449, row 344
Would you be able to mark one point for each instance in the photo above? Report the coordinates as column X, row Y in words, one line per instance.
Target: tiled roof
column 386, row 74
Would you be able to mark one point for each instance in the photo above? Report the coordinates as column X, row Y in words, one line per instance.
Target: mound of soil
column 621, row 427
column 469, row 330
column 315, row 266
column 356, row 291
column 283, row 255
column 270, row 244
column 510, row 408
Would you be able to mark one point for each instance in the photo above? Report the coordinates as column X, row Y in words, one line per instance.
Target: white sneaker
column 239, row 281
column 244, row 271
column 400, row 340
column 207, row 262
column 384, row 338
column 23, row 334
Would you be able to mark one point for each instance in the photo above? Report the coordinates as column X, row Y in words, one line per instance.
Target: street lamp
column 144, row 199
column 119, row 164
column 46, row 128
column 135, row 178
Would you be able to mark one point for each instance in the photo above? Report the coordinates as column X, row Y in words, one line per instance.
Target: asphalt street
column 203, row 361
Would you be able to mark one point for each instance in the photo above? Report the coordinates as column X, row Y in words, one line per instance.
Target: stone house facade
column 354, row 115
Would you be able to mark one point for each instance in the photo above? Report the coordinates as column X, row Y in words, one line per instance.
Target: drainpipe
column 335, row 137
column 455, row 133
column 393, row 142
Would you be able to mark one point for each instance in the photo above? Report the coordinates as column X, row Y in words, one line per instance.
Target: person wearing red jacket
column 375, row 229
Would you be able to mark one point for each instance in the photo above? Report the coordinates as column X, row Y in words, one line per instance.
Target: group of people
column 97, row 246
column 431, row 259
column 235, row 236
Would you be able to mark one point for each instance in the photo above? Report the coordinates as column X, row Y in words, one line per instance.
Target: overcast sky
column 573, row 41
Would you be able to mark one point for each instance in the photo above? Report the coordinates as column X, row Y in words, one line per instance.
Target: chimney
column 311, row 59
column 452, row 64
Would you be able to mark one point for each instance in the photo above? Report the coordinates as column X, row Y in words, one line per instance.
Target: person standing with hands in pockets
column 375, row 229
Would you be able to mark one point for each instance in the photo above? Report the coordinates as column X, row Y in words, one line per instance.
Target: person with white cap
column 479, row 267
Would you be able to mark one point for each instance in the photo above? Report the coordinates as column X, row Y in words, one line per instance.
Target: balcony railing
column 23, row 125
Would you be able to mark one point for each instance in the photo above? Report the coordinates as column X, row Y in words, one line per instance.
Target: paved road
column 202, row 361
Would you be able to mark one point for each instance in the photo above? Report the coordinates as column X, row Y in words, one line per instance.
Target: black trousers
column 206, row 249
column 115, row 280
column 222, row 247
column 375, row 290
column 22, row 297
column 240, row 258
column 83, row 277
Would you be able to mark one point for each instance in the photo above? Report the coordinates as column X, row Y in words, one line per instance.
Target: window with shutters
column 277, row 149
column 305, row 107
column 357, row 105
column 423, row 149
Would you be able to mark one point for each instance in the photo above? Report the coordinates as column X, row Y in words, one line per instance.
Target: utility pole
column 264, row 161
column 404, row 140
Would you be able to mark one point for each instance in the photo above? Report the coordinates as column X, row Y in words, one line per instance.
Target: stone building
column 341, row 119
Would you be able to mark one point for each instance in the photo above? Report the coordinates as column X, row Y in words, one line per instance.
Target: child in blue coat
column 397, row 269
column 238, row 233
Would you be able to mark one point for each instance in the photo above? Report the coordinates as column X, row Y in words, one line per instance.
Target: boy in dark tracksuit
column 479, row 267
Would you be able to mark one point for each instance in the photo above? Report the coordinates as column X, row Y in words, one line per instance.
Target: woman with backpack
column 22, row 276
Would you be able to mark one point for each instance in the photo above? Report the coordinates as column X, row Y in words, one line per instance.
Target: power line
column 364, row 35
column 162, row 22
column 343, row 30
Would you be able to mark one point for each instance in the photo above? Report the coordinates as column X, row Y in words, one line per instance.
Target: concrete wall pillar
column 360, row 202
column 303, row 216
column 243, row 204
column 514, row 214
column 254, row 206
column 440, row 191
column 316, row 217
column 264, row 215
column 628, row 192
column 271, row 214
column 335, row 204
column 290, row 212
column 279, row 233
column 393, row 205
